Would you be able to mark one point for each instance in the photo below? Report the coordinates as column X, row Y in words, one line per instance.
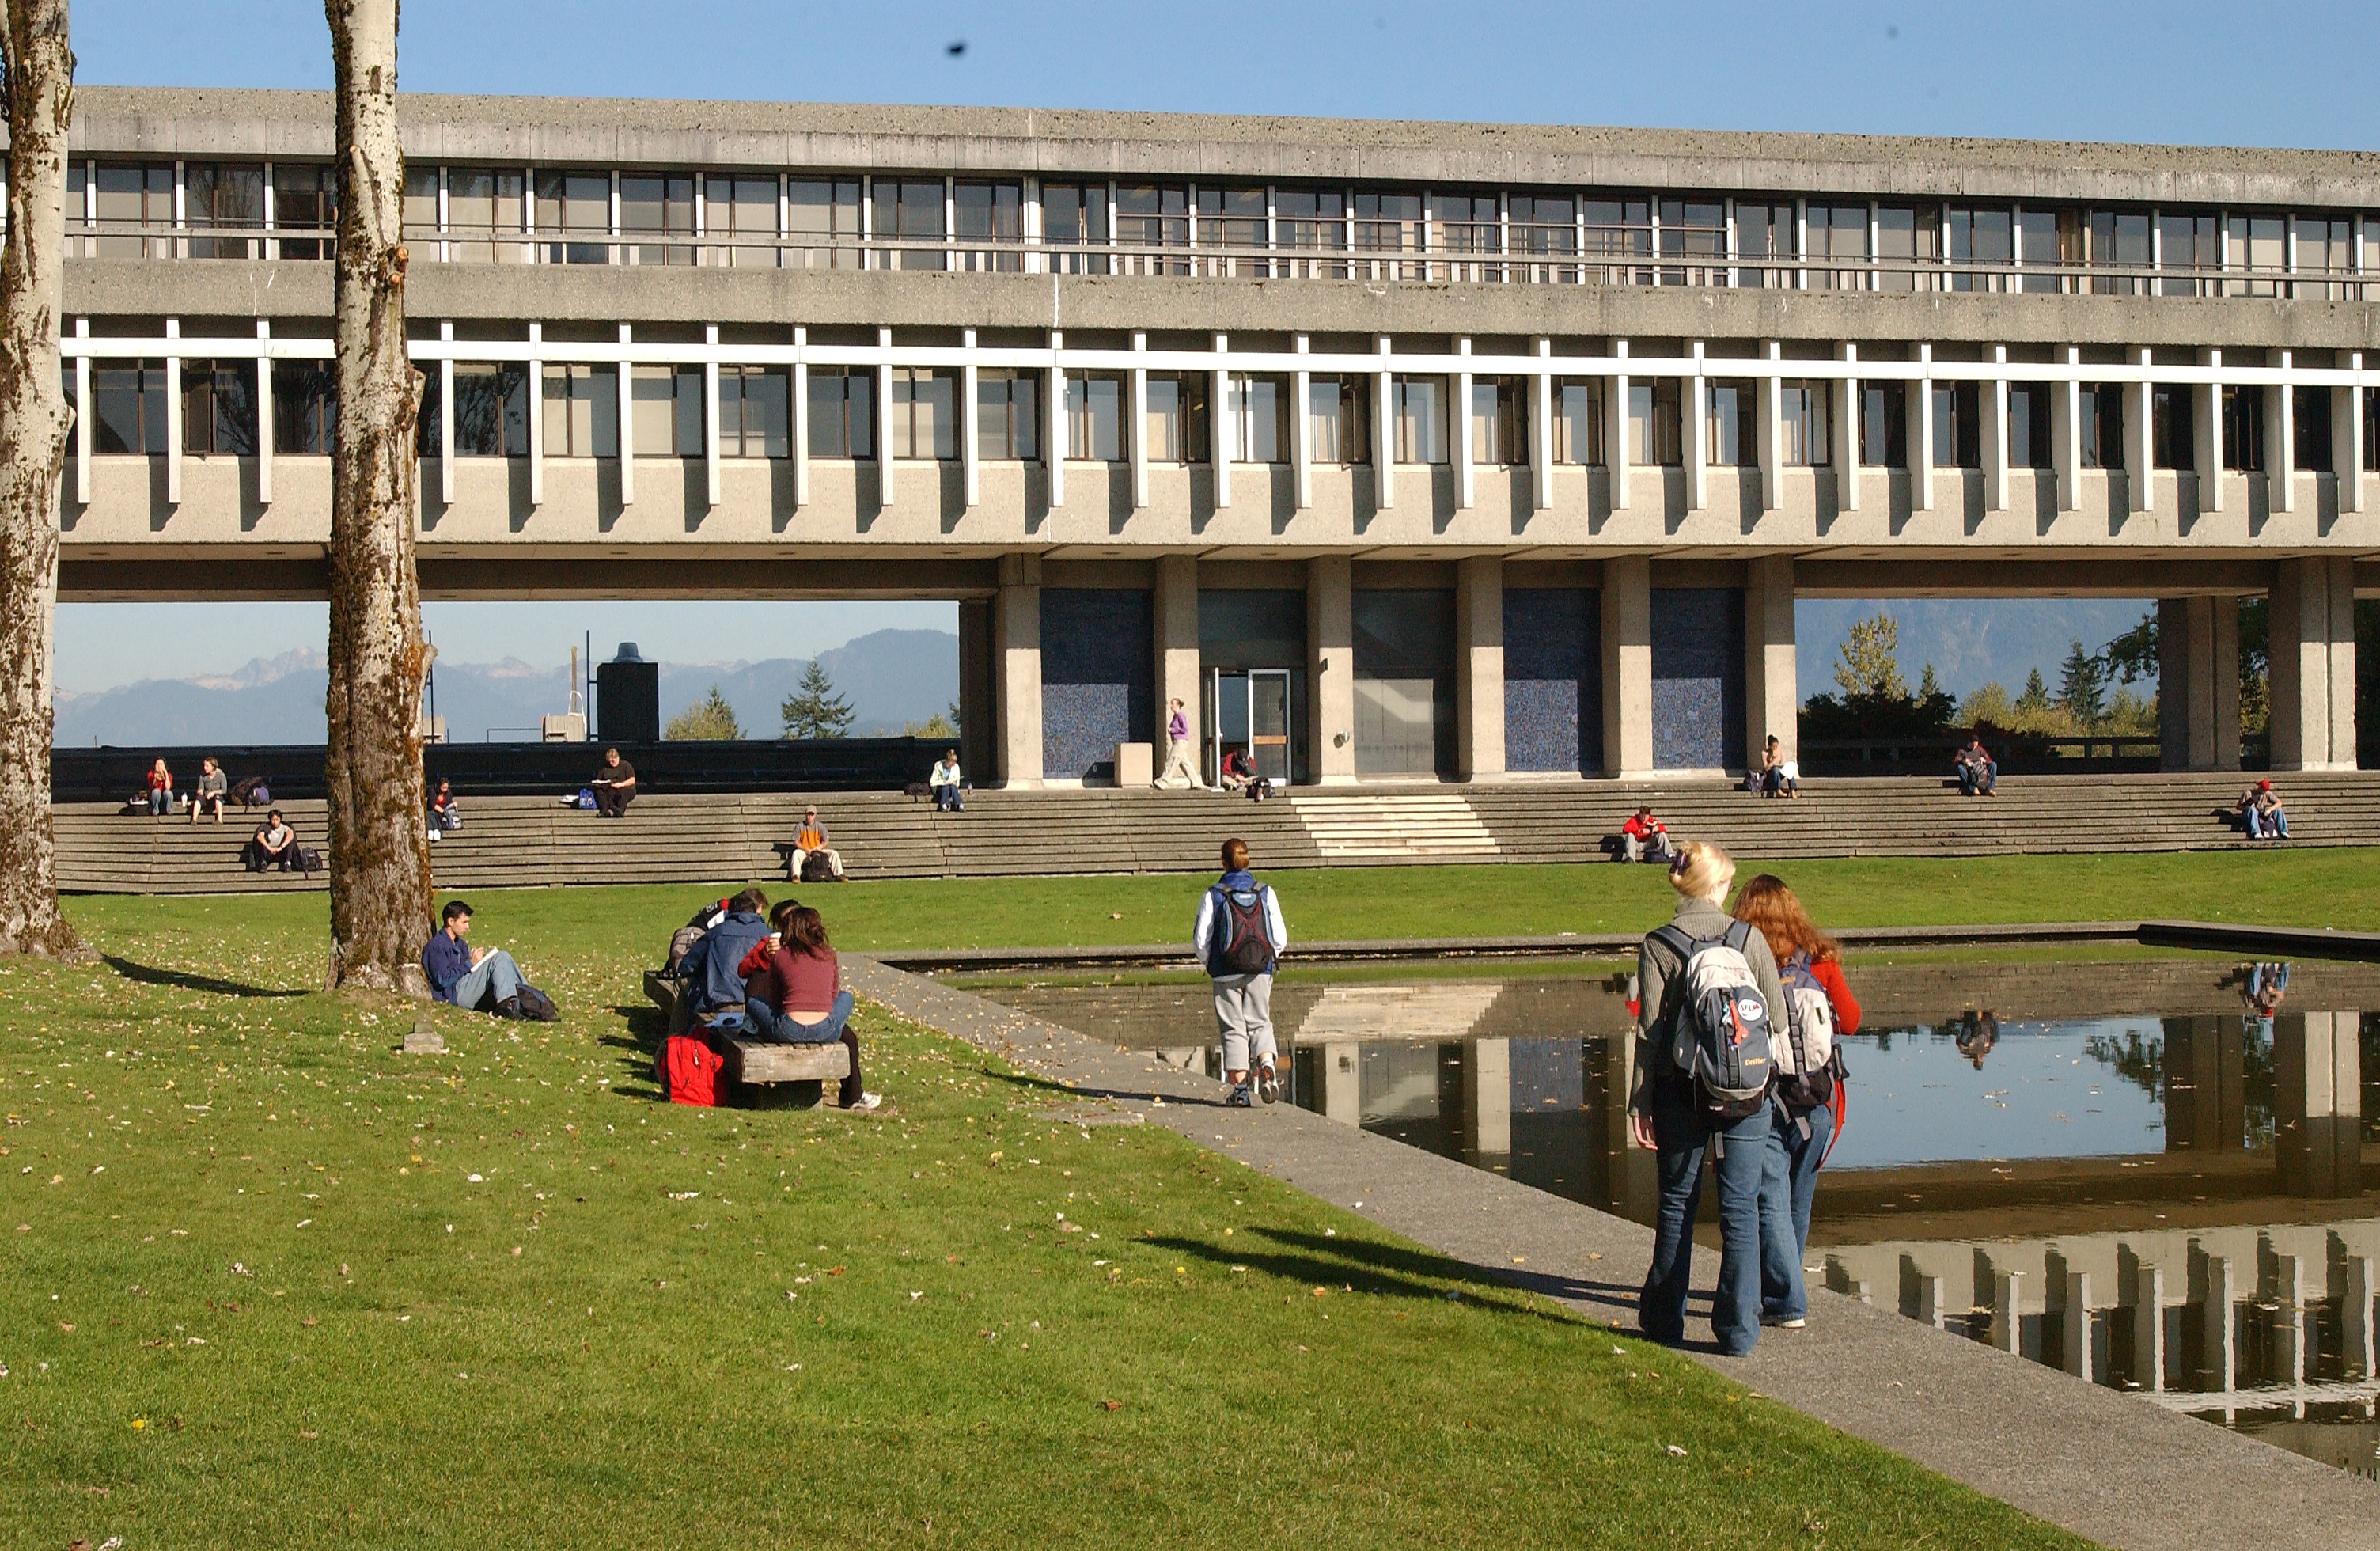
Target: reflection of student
column 1978, row 1032
column 2263, row 986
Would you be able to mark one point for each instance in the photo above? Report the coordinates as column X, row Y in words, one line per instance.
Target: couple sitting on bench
column 776, row 980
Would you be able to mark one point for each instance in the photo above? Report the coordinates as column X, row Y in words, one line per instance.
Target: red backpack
column 688, row 1065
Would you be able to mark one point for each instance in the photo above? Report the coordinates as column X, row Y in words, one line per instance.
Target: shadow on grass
column 1389, row 1271
column 149, row 975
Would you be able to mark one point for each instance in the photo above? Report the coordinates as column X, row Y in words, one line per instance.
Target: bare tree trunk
column 34, row 419
column 379, row 850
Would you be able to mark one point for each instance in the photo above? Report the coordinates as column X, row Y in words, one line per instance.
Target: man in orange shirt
column 811, row 841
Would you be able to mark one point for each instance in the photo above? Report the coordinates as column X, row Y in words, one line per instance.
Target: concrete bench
column 755, row 1063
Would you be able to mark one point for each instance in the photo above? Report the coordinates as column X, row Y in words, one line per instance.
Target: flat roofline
column 198, row 121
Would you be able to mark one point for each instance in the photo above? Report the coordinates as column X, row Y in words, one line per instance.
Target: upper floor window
column 2326, row 249
column 1095, row 411
column 1075, row 215
column 1733, row 434
column 1578, row 422
column 127, row 407
column 1418, row 414
column 1620, row 229
column 1500, row 421
column 219, row 409
column 223, row 197
column 1236, row 220
column 2117, row 239
column 1804, row 424
column 491, row 410
column 925, row 422
column 2186, row 242
column 2044, row 239
column 659, row 207
column 823, row 215
column 582, row 410
column 485, row 212
column 304, row 209
column 1655, row 425
column 1007, row 425
column 2258, row 246
column 1545, row 225
column 989, row 219
column 1982, row 238
column 1153, row 216
column 1387, row 223
column 1307, row 222
column 665, row 411
column 840, row 416
column 910, row 212
column 1339, row 425
column 1838, row 234
column 1696, row 231
column 1908, row 244
column 1767, row 244
column 132, row 199
column 739, row 218
column 305, row 406
column 1175, row 430
column 1256, row 417
column 755, row 412
column 573, row 217
column 1461, row 224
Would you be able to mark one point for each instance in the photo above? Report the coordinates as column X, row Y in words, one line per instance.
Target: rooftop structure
column 1391, row 448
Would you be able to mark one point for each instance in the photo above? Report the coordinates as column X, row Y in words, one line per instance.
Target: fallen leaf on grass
column 1111, row 1405
column 309, row 1438
column 309, row 1322
column 1675, row 1452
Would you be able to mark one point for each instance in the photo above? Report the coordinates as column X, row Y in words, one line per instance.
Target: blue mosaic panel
column 1553, row 679
column 1697, row 678
column 1097, row 679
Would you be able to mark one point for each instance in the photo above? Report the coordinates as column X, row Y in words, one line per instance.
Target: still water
column 2148, row 1173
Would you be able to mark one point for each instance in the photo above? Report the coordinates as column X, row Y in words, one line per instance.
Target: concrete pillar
column 2288, row 1319
column 1487, row 1095
column 978, row 690
column 2206, row 434
column 2317, row 1104
column 2223, row 679
column 1994, row 413
column 2148, row 1328
column 1846, row 448
column 1480, row 668
column 1921, row 1294
column 1331, row 666
column 2173, row 684
column 1771, row 695
column 2280, row 443
column 1771, row 388
column 2198, row 682
column 1627, row 609
column 2346, row 437
column 2219, row 1351
column 1918, row 420
column 2075, row 1343
column 2355, row 1316
column 1017, row 641
column 2066, row 435
column 1616, row 450
column 1338, row 1077
column 2007, row 1311
column 2313, row 665
column 1175, row 606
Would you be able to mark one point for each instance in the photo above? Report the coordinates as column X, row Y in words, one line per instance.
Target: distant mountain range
column 890, row 677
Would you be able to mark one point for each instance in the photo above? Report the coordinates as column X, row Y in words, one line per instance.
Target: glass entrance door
column 1251, row 716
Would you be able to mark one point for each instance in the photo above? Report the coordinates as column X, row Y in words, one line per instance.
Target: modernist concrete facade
column 1391, row 449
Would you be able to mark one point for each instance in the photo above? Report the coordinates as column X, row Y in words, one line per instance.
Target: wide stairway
column 533, row 842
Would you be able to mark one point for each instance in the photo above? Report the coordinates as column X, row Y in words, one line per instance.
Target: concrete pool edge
column 2148, row 1478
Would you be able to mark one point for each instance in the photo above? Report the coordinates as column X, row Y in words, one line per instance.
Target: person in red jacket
column 1797, row 1141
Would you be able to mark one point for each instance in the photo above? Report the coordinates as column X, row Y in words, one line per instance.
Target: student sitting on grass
column 464, row 976
column 796, row 994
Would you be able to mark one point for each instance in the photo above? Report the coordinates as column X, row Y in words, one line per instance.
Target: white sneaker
column 1269, row 1086
column 866, row 1101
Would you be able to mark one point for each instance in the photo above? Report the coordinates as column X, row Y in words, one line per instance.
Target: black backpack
column 535, row 1006
column 816, row 868
column 1247, row 945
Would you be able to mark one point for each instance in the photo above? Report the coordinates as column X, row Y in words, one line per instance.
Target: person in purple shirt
column 1177, row 749
column 462, row 976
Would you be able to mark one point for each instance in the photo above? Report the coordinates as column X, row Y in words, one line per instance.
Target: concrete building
column 1392, row 449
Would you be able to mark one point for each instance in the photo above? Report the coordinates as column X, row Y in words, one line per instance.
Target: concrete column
column 1331, row 666
column 2280, row 443
column 2312, row 662
column 1457, row 429
column 1994, row 412
column 884, row 443
column 1338, row 1074
column 1771, row 695
column 2288, row 1319
column 1176, row 608
column 1771, row 466
column 1846, row 448
column 2317, row 1104
column 979, row 693
column 2219, row 1351
column 2066, row 435
column 1627, row 609
column 2223, row 675
column 2355, row 1315
column 1615, row 440
column 2197, row 657
column 1016, row 642
column 2007, row 1310
column 1487, row 1095
column 2075, row 1346
column 2148, row 1328
column 1921, row 1294
column 1918, row 420
column 2206, row 434
column 2346, row 437
column 1694, row 408
column 1480, row 668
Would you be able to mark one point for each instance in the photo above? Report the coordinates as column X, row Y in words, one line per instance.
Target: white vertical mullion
column 970, row 415
column 800, row 388
column 614, row 253
column 536, row 415
column 1696, row 408
column 2066, row 433
column 884, row 421
column 1459, row 428
column 1615, row 441
column 1219, row 422
column 445, row 216
column 2347, row 434
column 1541, row 429
column 1301, row 429
column 181, row 219
column 84, row 416
column 1384, row 448
column 624, row 387
column 2141, row 434
column 1054, row 446
column 951, row 221
column 1845, row 432
column 1136, row 428
column 1771, row 450
column 446, row 415
column 269, row 249
column 710, row 416
column 174, row 391
column 265, row 448
column 1994, row 410
column 1917, row 420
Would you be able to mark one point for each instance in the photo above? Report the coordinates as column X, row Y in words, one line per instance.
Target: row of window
column 581, row 406
column 232, row 210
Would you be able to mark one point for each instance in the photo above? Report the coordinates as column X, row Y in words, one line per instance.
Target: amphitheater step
column 1433, row 826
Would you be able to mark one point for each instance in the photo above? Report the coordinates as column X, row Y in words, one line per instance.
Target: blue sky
column 2210, row 74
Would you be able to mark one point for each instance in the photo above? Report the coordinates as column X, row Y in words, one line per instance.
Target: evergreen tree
column 814, row 710
column 1928, row 685
column 712, row 719
column 2035, row 697
column 2082, row 688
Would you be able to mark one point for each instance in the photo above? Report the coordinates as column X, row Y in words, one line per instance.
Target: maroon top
column 805, row 983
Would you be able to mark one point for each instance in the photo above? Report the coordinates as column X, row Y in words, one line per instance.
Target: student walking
column 1177, row 749
column 1238, row 936
column 1704, row 1080
column 1819, row 1009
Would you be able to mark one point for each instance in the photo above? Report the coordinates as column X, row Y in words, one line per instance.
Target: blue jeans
column 2262, row 826
column 1979, row 777
column 1788, row 1177
column 948, row 799
column 159, row 803
column 495, row 973
column 1681, row 1135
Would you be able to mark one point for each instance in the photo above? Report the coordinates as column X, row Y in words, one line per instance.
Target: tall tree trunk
column 34, row 420
column 379, row 850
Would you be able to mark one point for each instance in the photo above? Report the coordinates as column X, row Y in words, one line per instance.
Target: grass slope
column 263, row 1281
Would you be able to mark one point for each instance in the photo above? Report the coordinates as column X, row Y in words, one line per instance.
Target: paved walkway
column 2103, row 1465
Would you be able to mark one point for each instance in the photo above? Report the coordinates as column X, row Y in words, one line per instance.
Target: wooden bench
column 755, row 1064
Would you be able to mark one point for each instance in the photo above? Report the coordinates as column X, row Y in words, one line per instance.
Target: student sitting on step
column 1645, row 838
column 2261, row 815
column 810, row 841
column 949, row 787
column 275, row 844
column 1978, row 772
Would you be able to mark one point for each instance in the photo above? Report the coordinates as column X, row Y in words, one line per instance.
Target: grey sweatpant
column 1243, row 1013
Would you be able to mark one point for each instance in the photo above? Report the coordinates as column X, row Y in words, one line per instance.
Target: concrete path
column 2108, row 1466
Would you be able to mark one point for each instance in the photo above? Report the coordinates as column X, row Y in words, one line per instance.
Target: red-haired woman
column 1810, row 959
column 796, row 995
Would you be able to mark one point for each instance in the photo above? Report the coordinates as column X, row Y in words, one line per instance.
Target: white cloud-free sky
column 2297, row 75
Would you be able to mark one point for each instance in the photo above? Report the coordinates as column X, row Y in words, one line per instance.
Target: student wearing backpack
column 1703, row 1081
column 1819, row 1009
column 1239, row 935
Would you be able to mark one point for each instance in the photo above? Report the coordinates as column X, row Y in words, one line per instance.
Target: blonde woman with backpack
column 1706, row 986
column 1819, row 1009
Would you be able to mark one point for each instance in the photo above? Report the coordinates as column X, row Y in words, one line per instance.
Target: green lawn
column 265, row 1282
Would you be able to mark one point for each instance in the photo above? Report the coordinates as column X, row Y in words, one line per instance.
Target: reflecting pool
column 2149, row 1173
